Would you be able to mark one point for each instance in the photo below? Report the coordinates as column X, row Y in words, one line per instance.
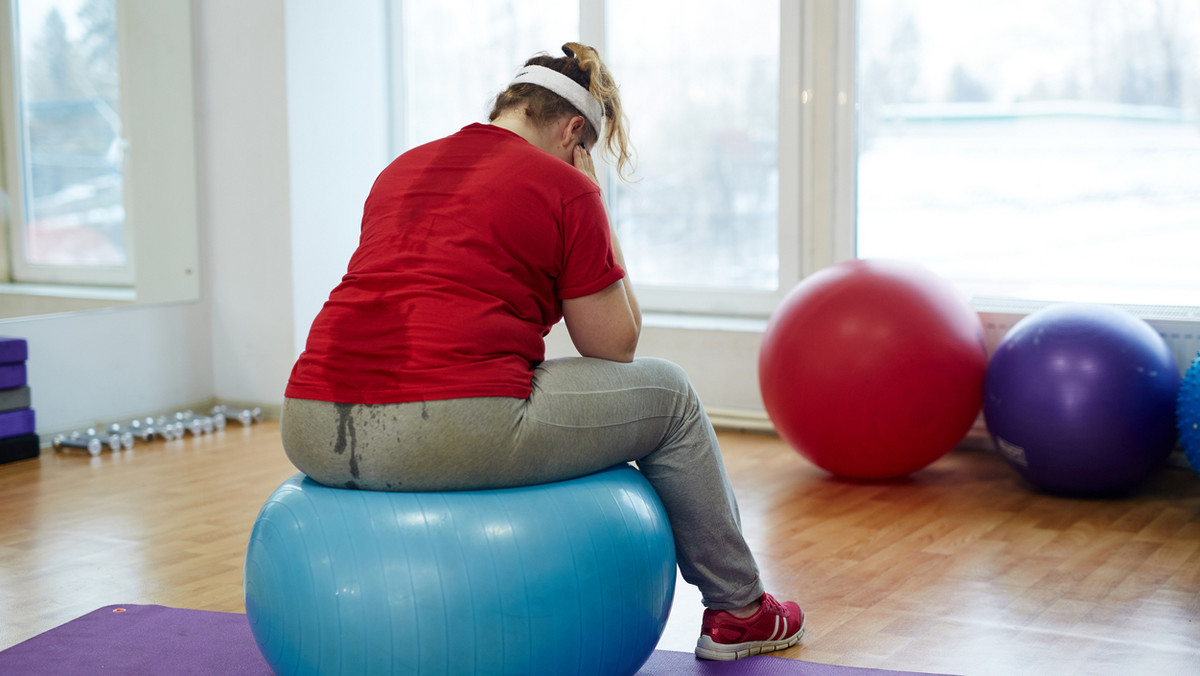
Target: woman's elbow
column 626, row 355
column 620, row 349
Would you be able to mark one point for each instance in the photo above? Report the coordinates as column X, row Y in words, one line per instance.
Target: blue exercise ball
column 563, row 578
column 1187, row 414
column 1080, row 399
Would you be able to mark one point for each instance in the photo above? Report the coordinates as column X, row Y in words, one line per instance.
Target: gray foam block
column 14, row 398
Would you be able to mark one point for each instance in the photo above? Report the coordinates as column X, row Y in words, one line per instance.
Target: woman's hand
column 583, row 162
column 608, row 323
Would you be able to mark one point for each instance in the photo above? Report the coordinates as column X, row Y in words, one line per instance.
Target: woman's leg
column 648, row 412
column 584, row 415
column 446, row 445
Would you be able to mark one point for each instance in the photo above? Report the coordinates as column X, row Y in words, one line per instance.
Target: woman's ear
column 574, row 130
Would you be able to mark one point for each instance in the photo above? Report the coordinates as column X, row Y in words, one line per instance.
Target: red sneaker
column 774, row 626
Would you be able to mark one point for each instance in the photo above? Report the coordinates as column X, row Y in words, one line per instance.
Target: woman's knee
column 587, row 374
column 668, row 374
column 671, row 372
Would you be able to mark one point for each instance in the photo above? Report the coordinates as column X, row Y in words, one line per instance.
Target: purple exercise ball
column 1080, row 399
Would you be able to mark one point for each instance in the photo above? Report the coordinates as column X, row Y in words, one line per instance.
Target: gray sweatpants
column 584, row 415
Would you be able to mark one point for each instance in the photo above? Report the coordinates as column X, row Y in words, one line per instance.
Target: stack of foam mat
column 18, row 440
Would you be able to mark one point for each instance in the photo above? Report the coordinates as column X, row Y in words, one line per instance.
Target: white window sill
column 27, row 300
column 696, row 322
column 985, row 306
column 115, row 293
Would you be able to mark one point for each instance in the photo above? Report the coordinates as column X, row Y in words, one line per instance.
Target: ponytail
column 583, row 65
column 615, row 143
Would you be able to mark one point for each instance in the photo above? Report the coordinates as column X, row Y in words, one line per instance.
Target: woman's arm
column 606, row 324
column 603, row 325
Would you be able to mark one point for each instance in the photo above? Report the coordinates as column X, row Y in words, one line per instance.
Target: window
column 99, row 155
column 1032, row 150
column 701, row 87
column 702, row 228
column 449, row 59
column 68, row 213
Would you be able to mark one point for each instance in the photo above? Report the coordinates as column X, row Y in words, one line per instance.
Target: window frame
column 811, row 134
column 845, row 226
column 799, row 248
column 817, row 155
column 158, row 90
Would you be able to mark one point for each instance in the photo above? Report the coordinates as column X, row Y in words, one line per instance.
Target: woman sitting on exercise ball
column 425, row 370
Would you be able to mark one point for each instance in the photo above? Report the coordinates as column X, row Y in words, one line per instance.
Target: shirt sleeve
column 589, row 264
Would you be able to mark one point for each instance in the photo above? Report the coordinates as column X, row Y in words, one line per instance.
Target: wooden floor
column 961, row 569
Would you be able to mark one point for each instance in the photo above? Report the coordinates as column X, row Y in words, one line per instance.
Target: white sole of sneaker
column 708, row 649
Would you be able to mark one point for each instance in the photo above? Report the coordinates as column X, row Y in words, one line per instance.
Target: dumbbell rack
column 117, row 437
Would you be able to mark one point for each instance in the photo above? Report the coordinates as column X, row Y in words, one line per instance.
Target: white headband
column 565, row 87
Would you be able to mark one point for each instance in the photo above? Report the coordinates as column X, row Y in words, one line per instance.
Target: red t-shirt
column 469, row 245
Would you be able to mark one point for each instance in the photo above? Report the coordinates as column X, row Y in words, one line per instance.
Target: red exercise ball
column 873, row 369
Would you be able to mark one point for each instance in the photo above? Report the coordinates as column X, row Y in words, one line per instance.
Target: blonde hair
column 583, row 65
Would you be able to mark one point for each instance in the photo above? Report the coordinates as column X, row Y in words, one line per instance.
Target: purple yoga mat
column 13, row 350
column 16, row 423
column 158, row 641
column 12, row 375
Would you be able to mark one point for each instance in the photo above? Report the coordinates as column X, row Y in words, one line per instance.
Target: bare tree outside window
column 1034, row 150
column 72, row 152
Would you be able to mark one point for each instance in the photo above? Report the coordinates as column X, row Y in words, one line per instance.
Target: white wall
column 110, row 365
column 244, row 195
column 338, row 131
column 295, row 129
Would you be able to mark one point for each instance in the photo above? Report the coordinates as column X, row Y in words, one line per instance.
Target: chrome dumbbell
column 143, row 429
column 198, row 425
column 150, row 428
column 167, row 428
column 119, row 437
column 113, row 441
column 245, row 416
column 91, row 443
